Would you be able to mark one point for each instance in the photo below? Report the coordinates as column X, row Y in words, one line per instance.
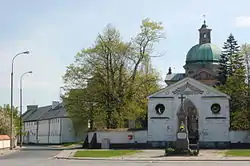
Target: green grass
column 71, row 144
column 104, row 153
column 243, row 152
column 68, row 144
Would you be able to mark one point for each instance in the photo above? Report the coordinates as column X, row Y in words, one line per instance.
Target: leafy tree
column 229, row 54
column 245, row 50
column 5, row 114
column 111, row 77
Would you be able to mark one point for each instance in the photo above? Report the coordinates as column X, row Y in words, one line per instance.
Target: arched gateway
column 192, row 120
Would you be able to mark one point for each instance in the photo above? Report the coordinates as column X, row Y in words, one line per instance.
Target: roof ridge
column 44, row 112
column 32, row 112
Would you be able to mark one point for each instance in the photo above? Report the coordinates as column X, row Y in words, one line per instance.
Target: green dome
column 203, row 53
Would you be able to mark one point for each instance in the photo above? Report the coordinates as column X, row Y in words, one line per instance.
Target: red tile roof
column 4, row 137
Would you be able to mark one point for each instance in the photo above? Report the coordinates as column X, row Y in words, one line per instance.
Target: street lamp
column 11, row 97
column 21, row 105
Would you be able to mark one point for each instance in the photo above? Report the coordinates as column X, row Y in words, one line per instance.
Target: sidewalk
column 156, row 155
column 7, row 151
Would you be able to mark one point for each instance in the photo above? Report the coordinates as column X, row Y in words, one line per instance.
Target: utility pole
column 21, row 107
column 11, row 97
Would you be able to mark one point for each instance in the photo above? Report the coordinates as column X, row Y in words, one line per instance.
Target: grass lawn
column 241, row 152
column 68, row 144
column 72, row 144
column 104, row 153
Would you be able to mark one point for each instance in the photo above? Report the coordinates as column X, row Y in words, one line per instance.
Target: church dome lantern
column 204, row 52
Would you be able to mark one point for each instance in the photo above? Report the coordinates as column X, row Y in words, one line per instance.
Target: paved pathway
column 49, row 162
column 7, row 151
column 38, row 156
column 30, row 153
column 157, row 155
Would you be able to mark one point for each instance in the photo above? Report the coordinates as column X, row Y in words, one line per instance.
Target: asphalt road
column 39, row 162
column 43, row 156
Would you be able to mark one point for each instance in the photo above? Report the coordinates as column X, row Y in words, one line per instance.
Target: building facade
column 48, row 125
column 207, row 109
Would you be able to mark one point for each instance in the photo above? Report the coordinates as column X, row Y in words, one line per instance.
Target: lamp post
column 11, row 97
column 21, row 105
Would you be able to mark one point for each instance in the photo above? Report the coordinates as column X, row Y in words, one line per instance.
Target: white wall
column 161, row 129
column 30, row 129
column 68, row 133
column 240, row 136
column 49, row 131
column 120, row 136
column 4, row 144
column 164, row 127
column 54, row 131
column 43, row 131
column 213, row 130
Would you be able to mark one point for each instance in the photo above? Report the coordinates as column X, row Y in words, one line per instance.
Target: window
column 205, row 35
column 159, row 109
column 190, row 72
column 215, row 108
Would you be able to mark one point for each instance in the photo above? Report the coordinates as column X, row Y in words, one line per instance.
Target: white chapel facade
column 208, row 117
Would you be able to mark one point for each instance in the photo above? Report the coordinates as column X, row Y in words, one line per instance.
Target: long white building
column 48, row 125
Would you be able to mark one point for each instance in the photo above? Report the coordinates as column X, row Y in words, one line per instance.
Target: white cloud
column 243, row 21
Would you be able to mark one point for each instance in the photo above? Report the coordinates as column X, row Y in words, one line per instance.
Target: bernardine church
column 208, row 118
column 207, row 108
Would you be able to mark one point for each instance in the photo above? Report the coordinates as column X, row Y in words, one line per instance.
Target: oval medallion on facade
column 159, row 109
column 215, row 108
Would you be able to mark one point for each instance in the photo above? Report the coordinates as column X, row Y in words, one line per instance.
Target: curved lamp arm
column 25, row 52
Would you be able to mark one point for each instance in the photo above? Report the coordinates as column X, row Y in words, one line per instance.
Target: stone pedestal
column 182, row 142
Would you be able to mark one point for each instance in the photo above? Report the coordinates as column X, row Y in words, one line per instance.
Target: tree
column 109, row 77
column 4, row 122
column 245, row 50
column 229, row 54
column 236, row 87
column 5, row 114
column 232, row 76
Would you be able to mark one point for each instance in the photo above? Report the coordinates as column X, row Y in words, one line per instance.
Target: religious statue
column 182, row 142
column 182, row 127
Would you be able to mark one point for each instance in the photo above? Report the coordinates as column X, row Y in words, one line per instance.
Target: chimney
column 32, row 107
column 54, row 104
column 169, row 71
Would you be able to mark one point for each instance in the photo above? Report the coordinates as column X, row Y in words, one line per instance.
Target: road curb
column 145, row 159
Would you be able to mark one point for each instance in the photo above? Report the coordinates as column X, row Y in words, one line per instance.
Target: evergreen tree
column 236, row 88
column 230, row 53
column 235, row 84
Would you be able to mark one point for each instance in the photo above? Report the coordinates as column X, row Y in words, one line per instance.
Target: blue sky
column 54, row 31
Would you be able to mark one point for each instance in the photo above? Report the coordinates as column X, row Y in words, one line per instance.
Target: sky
column 54, row 31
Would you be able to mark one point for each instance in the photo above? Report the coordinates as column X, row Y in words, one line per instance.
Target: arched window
column 205, row 35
